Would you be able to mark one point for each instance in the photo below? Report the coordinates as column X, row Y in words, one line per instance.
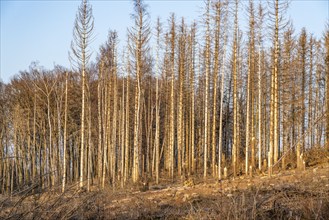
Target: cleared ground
column 288, row 194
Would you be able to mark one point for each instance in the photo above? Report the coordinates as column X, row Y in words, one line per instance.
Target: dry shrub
column 316, row 156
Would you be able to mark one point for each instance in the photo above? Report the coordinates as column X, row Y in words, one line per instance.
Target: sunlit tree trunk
column 250, row 91
column 218, row 14
column 65, row 133
column 310, row 94
column 127, row 129
column 302, row 53
column 139, row 35
column 206, row 90
column 82, row 34
column 99, row 111
column 260, row 46
column 122, row 135
column 274, row 93
column 326, row 45
column 89, row 162
column 34, row 165
column 192, row 84
column 113, row 148
column 172, row 81
column 221, row 103
column 157, row 105
column 135, row 172
column 235, row 93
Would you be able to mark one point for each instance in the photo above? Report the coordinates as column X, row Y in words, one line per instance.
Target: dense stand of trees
column 179, row 100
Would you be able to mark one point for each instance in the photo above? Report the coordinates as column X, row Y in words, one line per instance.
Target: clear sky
column 41, row 30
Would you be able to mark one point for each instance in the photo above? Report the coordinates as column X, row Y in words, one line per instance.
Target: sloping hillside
column 289, row 194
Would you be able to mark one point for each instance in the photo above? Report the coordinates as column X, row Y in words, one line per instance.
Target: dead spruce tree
column 276, row 11
column 139, row 36
column 82, row 37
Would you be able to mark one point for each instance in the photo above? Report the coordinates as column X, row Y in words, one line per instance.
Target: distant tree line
column 179, row 100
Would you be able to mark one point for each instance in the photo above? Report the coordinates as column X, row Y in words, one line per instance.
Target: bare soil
column 288, row 194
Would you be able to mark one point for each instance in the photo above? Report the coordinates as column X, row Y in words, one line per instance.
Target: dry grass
column 287, row 195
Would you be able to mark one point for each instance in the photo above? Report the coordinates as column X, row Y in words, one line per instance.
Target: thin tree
column 172, row 83
column 157, row 104
column 139, row 35
column 218, row 14
column 192, row 99
column 181, row 79
column 100, row 88
column 260, row 48
column 235, row 92
column 127, row 130
column 221, row 103
column 326, row 45
column 302, row 52
column 206, row 89
column 82, row 36
column 276, row 16
column 310, row 92
column 65, row 133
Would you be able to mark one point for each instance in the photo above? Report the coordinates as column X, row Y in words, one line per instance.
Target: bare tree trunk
column 206, row 90
column 157, row 124
column 140, row 35
column 221, row 105
column 181, row 69
column 260, row 143
column 192, row 67
column 34, row 165
column 99, row 109
column 127, row 149
column 310, row 95
column 65, row 134
column 157, row 106
column 106, row 126
column 122, row 134
column 302, row 60
column 136, row 126
column 89, row 162
column 235, row 93
column 82, row 33
column 51, row 151
column 114, row 121
column 247, row 120
column 218, row 15
column 326, row 45
column 172, row 70
column 274, row 94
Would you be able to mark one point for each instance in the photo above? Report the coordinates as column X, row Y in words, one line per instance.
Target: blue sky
column 42, row 30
